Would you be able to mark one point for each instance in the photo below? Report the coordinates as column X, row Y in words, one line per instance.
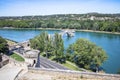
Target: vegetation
column 118, row 71
column 71, row 66
column 17, row 57
column 51, row 46
column 3, row 46
column 86, row 54
column 83, row 53
column 90, row 21
column 11, row 42
column 4, row 49
column 58, row 48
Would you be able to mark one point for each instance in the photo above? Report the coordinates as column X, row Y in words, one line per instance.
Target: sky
column 49, row 7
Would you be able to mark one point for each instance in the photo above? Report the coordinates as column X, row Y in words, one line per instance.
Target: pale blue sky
column 48, row 7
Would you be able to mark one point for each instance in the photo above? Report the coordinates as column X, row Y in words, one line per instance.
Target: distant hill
column 38, row 17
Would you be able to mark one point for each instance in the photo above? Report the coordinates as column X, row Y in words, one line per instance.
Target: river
column 109, row 42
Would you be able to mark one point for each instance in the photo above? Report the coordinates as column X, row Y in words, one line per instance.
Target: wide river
column 109, row 42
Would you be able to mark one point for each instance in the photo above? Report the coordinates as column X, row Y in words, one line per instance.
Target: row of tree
column 83, row 53
column 103, row 25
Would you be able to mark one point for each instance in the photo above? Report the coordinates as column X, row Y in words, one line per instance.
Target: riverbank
column 99, row 31
column 11, row 42
column 31, row 28
column 82, row 30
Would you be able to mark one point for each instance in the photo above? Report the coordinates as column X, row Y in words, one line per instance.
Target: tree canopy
column 3, row 45
column 86, row 54
column 50, row 45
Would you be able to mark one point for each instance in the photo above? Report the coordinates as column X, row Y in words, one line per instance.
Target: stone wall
column 4, row 62
column 68, row 74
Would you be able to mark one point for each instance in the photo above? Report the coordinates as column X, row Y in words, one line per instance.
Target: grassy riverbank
column 68, row 64
column 99, row 31
column 81, row 30
column 71, row 66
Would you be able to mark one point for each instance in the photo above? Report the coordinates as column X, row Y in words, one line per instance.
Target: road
column 45, row 63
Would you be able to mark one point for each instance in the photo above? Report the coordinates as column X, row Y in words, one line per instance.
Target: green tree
column 51, row 46
column 58, row 48
column 3, row 45
column 86, row 54
column 41, row 42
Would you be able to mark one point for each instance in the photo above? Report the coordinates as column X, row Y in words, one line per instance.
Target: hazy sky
column 48, row 7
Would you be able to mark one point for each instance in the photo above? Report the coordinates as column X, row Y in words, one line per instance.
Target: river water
column 109, row 42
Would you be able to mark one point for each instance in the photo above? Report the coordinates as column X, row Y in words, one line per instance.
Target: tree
column 3, row 45
column 51, row 46
column 59, row 48
column 41, row 42
column 86, row 54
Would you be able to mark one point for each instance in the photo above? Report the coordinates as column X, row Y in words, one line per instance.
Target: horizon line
column 58, row 14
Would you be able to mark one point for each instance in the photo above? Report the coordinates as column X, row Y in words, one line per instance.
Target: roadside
column 69, row 65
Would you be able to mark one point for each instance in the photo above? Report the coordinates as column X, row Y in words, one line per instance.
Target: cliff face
column 61, row 75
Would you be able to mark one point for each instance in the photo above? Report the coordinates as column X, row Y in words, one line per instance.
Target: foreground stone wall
column 52, row 74
column 4, row 61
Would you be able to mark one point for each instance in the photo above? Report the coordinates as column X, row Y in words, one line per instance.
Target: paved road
column 45, row 63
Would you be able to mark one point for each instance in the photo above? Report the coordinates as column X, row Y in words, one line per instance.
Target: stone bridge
column 67, row 32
